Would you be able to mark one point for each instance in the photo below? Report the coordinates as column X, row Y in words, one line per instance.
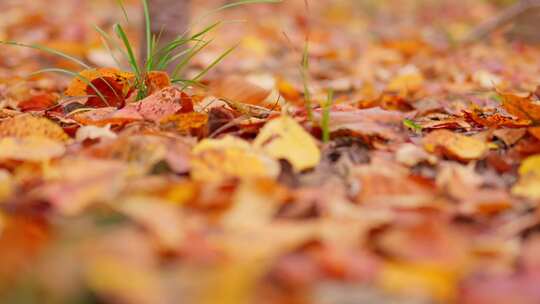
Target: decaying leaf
column 455, row 145
column 163, row 103
column 285, row 138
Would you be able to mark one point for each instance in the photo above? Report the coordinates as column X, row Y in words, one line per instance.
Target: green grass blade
column 412, row 125
column 148, row 29
column 189, row 82
column 325, row 120
column 192, row 53
column 108, row 42
column 130, row 54
column 235, row 4
column 50, row 51
column 123, row 8
column 213, row 64
column 181, row 40
column 73, row 74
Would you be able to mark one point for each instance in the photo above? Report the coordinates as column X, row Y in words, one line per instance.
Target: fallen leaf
column 156, row 81
column 528, row 184
column 195, row 124
column 112, row 83
column 30, row 148
column 284, row 138
column 455, row 145
column 163, row 103
column 38, row 102
column 523, row 107
column 28, row 125
column 217, row 159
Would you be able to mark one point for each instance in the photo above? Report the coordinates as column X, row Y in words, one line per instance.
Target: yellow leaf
column 455, row 145
column 531, row 165
column 529, row 182
column 218, row 159
column 285, row 138
column 28, row 125
column 31, row 148
column 419, row 279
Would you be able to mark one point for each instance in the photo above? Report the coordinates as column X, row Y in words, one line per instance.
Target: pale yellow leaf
column 284, row 138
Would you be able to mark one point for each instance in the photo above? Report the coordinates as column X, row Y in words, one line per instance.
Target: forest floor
column 344, row 152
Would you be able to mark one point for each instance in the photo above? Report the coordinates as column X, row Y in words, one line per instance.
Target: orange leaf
column 521, row 107
column 28, row 125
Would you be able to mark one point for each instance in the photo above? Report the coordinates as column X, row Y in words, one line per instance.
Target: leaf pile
column 377, row 162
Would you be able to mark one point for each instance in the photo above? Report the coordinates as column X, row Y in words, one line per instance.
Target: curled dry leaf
column 28, row 125
column 460, row 147
column 284, row 138
column 218, row 159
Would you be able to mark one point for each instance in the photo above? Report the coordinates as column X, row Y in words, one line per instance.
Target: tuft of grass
column 156, row 59
column 325, row 119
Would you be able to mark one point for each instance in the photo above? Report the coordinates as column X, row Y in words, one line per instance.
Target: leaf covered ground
column 345, row 152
